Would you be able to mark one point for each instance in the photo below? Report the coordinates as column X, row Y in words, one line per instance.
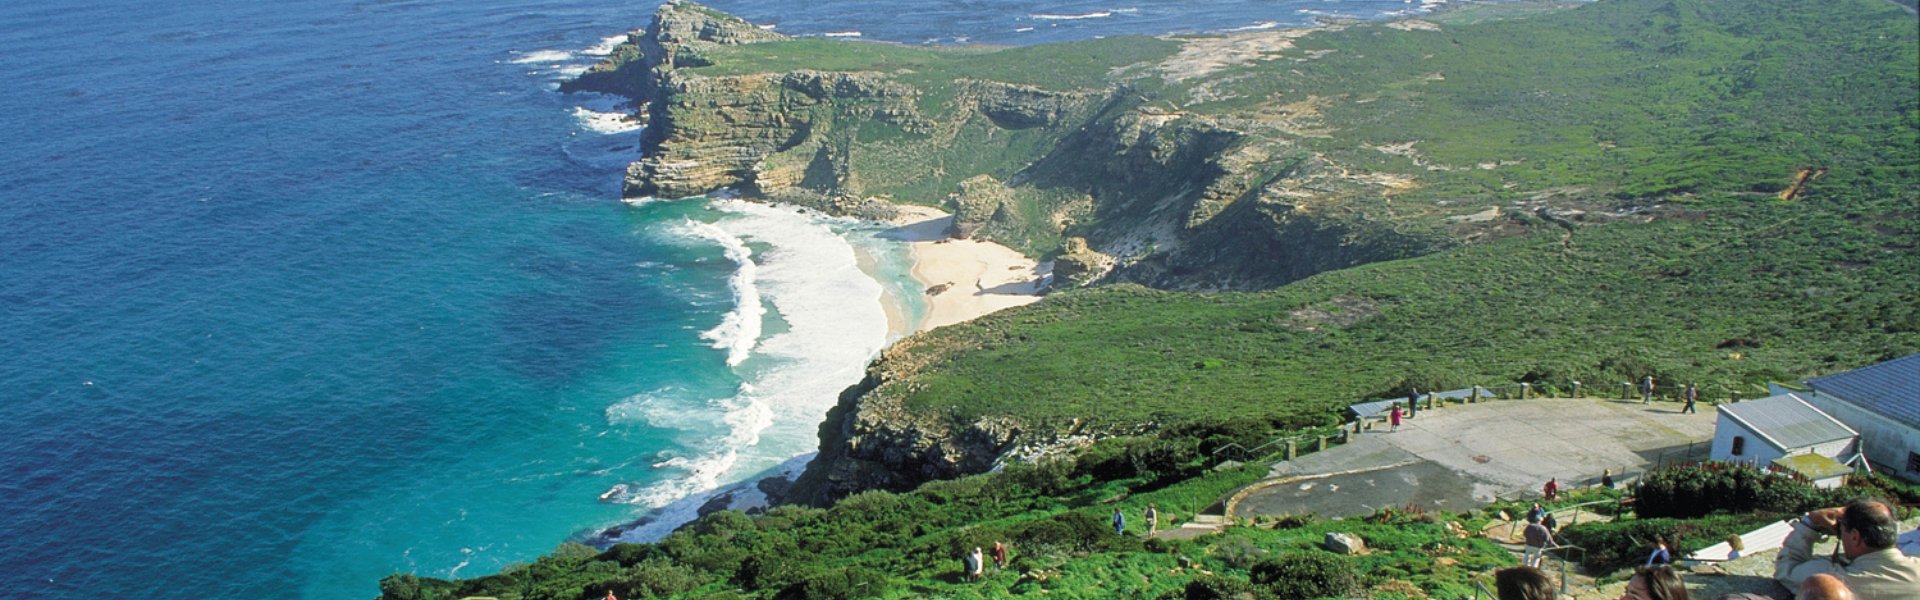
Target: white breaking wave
column 605, row 122
column 742, row 417
column 1260, row 26
column 834, row 322
column 739, row 330
column 1054, row 17
column 605, row 46
column 841, row 34
column 542, row 56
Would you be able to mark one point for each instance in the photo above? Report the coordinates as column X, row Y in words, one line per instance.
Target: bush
column 630, row 554
column 1213, row 587
column 658, row 577
column 1306, row 574
column 1622, row 544
column 1688, row 491
column 838, row 584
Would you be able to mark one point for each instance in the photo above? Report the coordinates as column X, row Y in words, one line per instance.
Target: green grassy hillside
column 1726, row 292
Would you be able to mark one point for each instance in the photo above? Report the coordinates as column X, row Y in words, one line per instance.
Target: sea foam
column 739, row 330
column 1075, row 17
column 605, row 122
column 606, row 45
column 834, row 324
column 542, row 56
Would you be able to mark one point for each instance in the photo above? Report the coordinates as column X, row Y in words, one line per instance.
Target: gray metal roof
column 1890, row 388
column 1466, row 393
column 1370, row 409
column 1787, row 421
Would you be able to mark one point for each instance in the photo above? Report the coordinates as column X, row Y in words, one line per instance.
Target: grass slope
column 1724, row 292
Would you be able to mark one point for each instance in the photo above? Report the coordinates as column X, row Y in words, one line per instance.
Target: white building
column 1882, row 402
column 1759, row 432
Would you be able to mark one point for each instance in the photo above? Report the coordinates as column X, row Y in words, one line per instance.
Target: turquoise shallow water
column 295, row 295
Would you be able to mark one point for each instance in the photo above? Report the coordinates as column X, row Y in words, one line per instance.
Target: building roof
column 1890, row 388
column 1787, row 421
column 1370, row 409
column 1465, row 393
column 1815, row 467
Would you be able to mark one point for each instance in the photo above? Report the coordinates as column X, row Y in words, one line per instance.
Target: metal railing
column 1563, row 562
column 1321, row 438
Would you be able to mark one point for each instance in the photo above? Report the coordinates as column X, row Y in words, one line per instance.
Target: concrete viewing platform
column 1462, row 456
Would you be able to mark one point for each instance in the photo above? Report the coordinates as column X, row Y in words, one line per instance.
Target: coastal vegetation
column 1721, row 193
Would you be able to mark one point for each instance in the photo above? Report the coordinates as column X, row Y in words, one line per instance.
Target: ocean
column 296, row 295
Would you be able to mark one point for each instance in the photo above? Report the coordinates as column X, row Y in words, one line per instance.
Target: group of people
column 1690, row 394
column 1152, row 515
column 1867, row 565
column 974, row 564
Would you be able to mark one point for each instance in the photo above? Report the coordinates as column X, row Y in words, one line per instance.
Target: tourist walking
column 1538, row 540
column 979, row 567
column 1413, row 402
column 1606, row 478
column 1153, row 519
column 1119, row 522
column 999, row 555
column 1393, row 418
column 1646, row 390
column 967, row 566
column 1551, row 490
column 1692, row 394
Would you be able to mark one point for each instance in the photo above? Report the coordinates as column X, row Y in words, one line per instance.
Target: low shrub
column 1299, row 575
column 1214, row 587
column 1622, row 544
column 1686, row 491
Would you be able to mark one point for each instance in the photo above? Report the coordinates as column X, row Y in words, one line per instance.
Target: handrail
column 1563, row 563
column 1480, row 585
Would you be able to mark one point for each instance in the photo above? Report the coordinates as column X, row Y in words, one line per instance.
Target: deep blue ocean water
column 294, row 295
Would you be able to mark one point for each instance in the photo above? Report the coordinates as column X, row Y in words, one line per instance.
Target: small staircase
column 1199, row 526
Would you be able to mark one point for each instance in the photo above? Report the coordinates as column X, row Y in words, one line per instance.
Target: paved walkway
column 1461, row 456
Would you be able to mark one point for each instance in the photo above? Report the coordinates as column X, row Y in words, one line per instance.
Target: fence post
column 1576, row 389
column 1526, row 391
column 1626, row 391
column 1345, row 436
column 1323, row 444
column 1476, row 394
column 1292, row 450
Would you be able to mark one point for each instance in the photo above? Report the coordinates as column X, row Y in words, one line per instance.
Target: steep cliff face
column 719, row 132
column 872, row 441
column 676, row 36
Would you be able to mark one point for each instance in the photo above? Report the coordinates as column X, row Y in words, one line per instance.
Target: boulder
column 1345, row 543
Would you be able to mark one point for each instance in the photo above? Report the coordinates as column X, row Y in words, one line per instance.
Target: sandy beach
column 964, row 279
